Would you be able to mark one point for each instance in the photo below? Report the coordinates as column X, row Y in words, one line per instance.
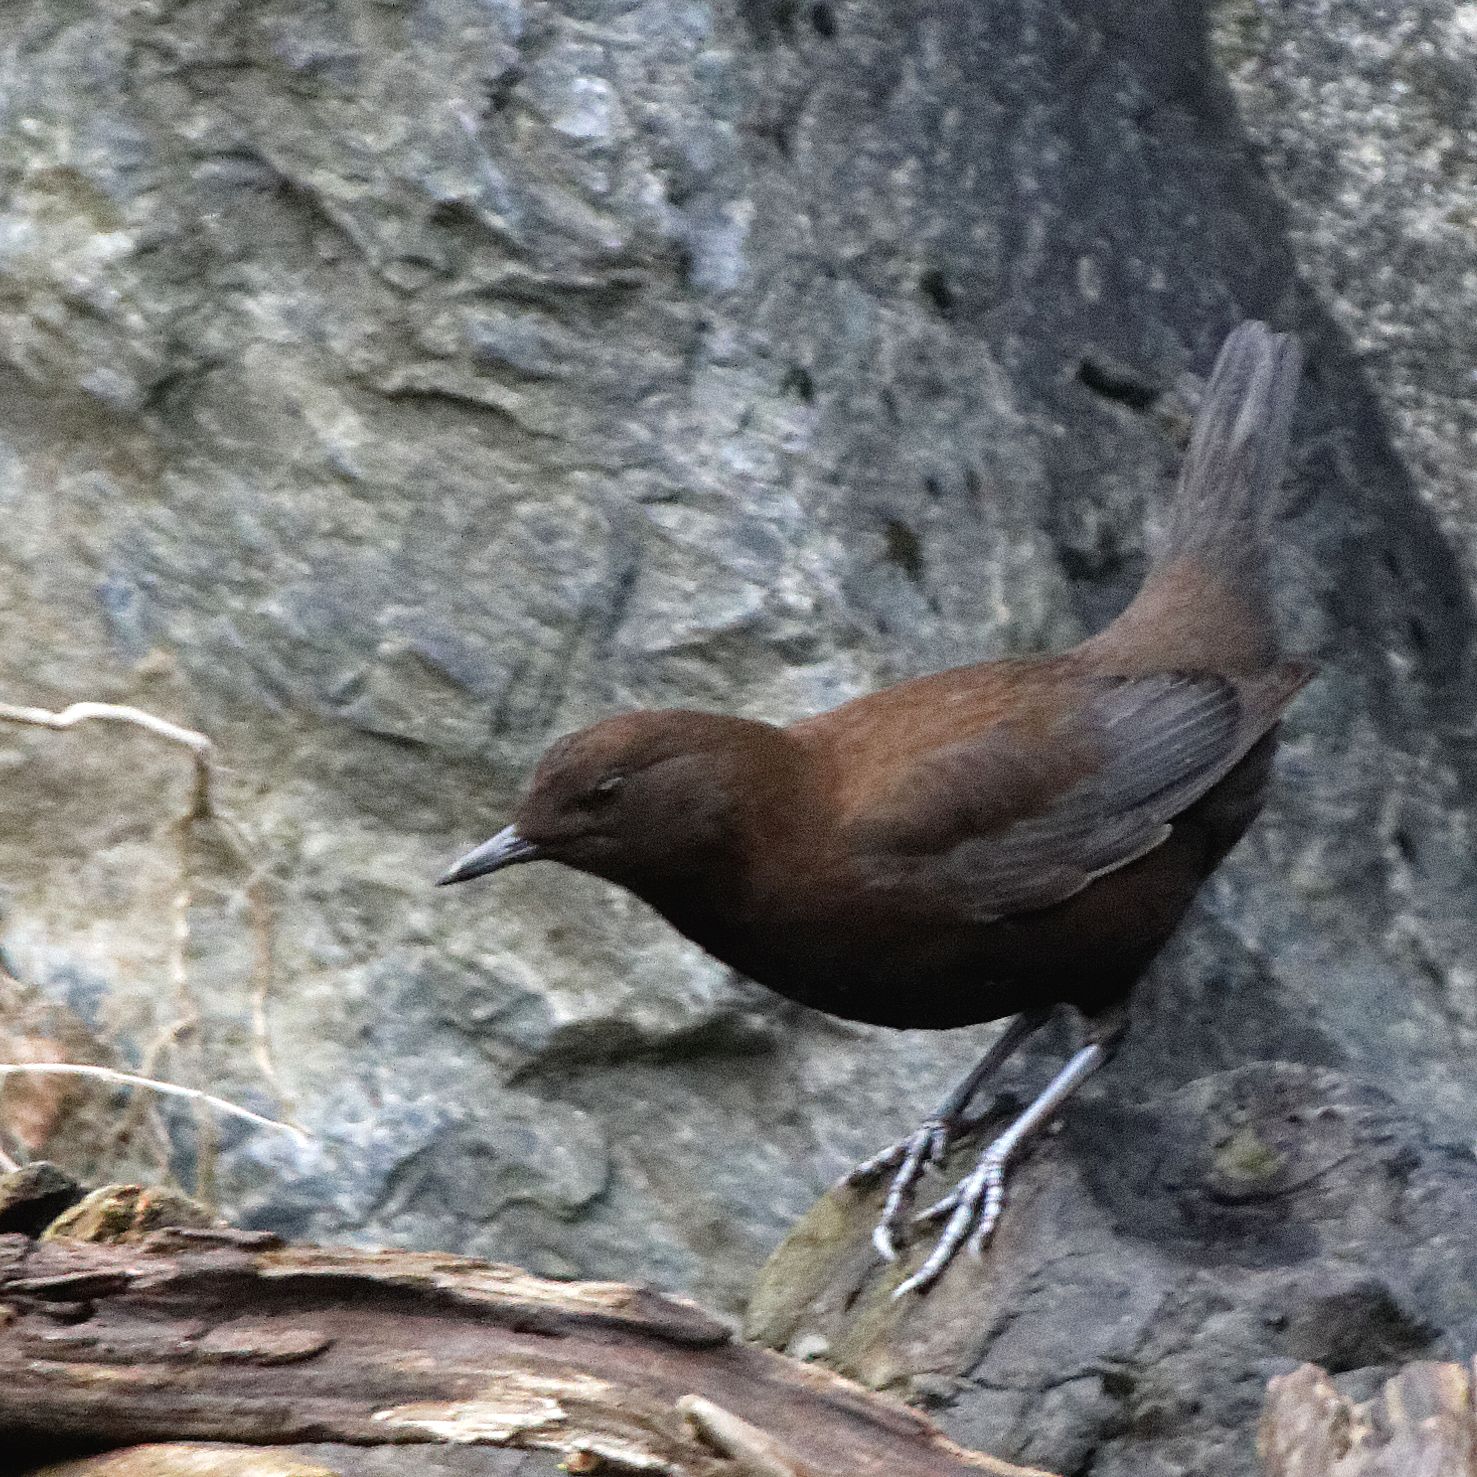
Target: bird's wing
column 1011, row 820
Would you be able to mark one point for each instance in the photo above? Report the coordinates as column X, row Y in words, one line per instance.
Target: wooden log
column 1422, row 1424
column 201, row 1334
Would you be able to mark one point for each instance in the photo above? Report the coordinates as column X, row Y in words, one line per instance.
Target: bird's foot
column 972, row 1209
column 912, row 1155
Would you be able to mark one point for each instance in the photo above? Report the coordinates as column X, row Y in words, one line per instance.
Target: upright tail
column 1228, row 490
column 1205, row 603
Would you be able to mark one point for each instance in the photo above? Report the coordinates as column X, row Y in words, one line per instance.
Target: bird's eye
column 605, row 788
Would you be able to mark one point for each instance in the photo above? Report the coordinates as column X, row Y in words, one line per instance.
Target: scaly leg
column 974, row 1205
column 927, row 1143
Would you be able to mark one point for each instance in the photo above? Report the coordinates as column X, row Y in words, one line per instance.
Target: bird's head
column 633, row 799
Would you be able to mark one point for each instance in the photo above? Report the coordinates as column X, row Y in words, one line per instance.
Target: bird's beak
column 501, row 851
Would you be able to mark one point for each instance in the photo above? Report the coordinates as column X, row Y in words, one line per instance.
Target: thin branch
column 199, row 807
column 173, row 1089
column 198, row 743
column 144, row 1109
column 260, row 917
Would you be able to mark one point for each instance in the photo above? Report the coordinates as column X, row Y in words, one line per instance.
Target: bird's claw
column 883, row 1243
column 940, row 1208
column 878, row 1164
column 923, row 1147
column 973, row 1209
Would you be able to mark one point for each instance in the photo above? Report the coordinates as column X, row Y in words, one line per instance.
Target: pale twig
column 171, row 1089
column 145, row 1109
column 198, row 743
column 199, row 807
column 259, row 912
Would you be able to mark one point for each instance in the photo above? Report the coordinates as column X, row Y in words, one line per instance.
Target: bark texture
column 208, row 1335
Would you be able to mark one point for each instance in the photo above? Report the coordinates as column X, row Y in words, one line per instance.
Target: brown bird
column 991, row 841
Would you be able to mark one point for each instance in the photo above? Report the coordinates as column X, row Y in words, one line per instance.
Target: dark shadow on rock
column 1155, row 1265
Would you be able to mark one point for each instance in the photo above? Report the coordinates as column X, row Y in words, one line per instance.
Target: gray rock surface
column 1158, row 1263
column 390, row 387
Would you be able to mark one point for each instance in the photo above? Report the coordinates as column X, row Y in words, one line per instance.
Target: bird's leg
column 974, row 1205
column 927, row 1143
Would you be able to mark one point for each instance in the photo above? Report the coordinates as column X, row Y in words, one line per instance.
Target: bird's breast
column 904, row 956
column 851, row 951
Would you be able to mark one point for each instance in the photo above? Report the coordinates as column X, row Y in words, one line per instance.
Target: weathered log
column 197, row 1334
column 1422, row 1424
column 199, row 1459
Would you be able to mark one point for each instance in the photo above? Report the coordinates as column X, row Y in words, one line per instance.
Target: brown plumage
column 993, row 840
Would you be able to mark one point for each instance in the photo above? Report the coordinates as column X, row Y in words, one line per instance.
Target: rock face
column 1157, row 1264
column 389, row 387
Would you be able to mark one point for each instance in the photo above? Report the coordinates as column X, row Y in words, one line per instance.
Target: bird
column 999, row 840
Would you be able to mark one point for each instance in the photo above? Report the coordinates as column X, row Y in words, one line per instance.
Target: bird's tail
column 1228, row 490
column 1205, row 602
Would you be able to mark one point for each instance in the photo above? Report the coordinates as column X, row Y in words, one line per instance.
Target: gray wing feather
column 1162, row 742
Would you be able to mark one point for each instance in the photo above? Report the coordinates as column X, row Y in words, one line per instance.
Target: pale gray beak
column 503, row 850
